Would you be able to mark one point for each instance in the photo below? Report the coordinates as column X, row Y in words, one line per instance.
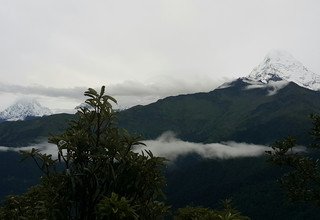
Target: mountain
column 24, row 109
column 272, row 102
column 259, row 108
column 23, row 133
column 280, row 65
column 234, row 113
column 278, row 69
column 267, row 105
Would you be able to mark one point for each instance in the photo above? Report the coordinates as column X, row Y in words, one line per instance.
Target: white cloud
column 2, row 148
column 168, row 146
column 44, row 146
column 272, row 86
column 128, row 92
column 74, row 93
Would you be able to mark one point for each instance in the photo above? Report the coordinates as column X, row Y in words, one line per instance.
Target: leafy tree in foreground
column 302, row 182
column 96, row 174
column 201, row 213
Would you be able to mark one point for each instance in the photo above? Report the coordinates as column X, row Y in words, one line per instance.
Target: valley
column 251, row 110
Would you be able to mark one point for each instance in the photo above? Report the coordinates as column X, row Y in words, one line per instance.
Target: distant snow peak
column 24, row 108
column 280, row 65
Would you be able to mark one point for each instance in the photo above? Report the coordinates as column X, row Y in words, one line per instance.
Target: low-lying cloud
column 44, row 146
column 272, row 86
column 170, row 147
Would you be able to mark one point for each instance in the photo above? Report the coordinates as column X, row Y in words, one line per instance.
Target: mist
column 170, row 147
column 43, row 146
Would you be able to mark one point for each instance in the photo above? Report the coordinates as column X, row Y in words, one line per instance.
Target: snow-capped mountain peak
column 24, row 108
column 280, row 65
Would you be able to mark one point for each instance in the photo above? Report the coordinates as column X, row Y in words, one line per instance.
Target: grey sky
column 147, row 49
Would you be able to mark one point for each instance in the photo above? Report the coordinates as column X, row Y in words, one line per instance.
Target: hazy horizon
column 144, row 50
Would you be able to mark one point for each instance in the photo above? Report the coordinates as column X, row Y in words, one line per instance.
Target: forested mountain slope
column 232, row 113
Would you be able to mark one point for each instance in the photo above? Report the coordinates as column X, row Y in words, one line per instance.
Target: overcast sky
column 144, row 50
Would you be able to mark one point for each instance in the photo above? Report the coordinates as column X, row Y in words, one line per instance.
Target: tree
column 96, row 174
column 302, row 181
column 201, row 213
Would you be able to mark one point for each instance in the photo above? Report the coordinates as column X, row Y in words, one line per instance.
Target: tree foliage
column 201, row 213
column 96, row 174
column 302, row 181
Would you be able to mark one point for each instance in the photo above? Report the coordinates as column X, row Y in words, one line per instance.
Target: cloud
column 44, row 146
column 168, row 146
column 272, row 86
column 81, row 43
column 128, row 93
column 161, row 87
column 75, row 92
column 2, row 148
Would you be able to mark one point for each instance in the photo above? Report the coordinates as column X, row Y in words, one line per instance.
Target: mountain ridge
column 242, row 110
column 233, row 113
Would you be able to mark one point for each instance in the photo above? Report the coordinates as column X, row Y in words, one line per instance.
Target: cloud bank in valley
column 170, row 147
column 44, row 146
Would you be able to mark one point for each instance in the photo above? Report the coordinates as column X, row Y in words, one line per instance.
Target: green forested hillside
column 250, row 182
column 233, row 113
column 21, row 133
column 191, row 180
column 16, row 176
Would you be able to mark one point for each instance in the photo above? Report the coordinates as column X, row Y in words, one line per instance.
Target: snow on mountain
column 281, row 66
column 22, row 109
